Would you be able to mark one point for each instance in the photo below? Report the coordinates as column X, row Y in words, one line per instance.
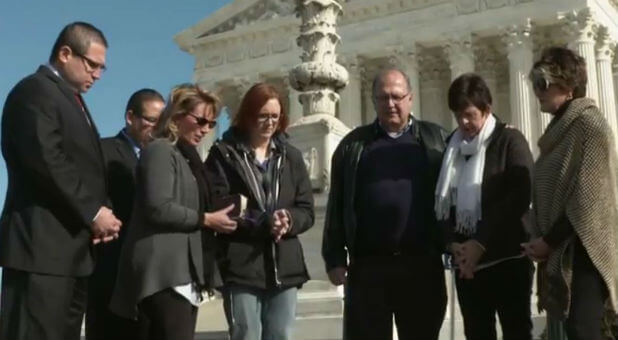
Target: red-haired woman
column 262, row 262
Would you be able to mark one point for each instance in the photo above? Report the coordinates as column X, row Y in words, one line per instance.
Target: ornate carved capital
column 487, row 57
column 403, row 57
column 319, row 76
column 580, row 25
column 459, row 52
column 458, row 45
column 517, row 37
column 606, row 46
column 240, row 85
column 433, row 68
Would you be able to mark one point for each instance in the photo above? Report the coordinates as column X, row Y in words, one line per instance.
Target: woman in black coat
column 483, row 199
column 262, row 262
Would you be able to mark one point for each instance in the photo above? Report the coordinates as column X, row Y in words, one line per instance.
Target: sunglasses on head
column 539, row 81
column 201, row 121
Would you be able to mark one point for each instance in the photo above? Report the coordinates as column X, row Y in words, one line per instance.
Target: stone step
column 319, row 298
column 318, row 327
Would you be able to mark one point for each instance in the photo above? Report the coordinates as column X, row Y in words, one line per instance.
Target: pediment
column 243, row 13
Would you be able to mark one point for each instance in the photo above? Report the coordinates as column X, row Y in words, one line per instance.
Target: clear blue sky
column 142, row 52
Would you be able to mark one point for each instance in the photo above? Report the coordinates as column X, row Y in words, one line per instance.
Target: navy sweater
column 391, row 196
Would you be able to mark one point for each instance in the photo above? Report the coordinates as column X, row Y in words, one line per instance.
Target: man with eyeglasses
column 56, row 204
column 121, row 154
column 380, row 235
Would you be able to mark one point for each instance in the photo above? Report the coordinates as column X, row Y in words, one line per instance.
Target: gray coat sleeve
column 160, row 178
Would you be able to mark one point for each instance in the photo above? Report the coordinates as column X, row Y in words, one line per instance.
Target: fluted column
column 460, row 55
column 581, row 26
column 350, row 102
column 519, row 48
column 615, row 72
column 405, row 58
column 605, row 56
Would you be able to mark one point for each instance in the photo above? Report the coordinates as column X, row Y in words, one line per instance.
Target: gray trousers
column 258, row 314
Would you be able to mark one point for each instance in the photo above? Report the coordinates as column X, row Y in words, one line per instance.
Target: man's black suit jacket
column 121, row 162
column 56, row 178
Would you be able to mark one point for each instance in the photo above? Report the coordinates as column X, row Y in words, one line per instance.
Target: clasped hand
column 467, row 256
column 281, row 224
column 105, row 227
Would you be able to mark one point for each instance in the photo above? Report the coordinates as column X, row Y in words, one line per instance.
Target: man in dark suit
column 56, row 202
column 121, row 154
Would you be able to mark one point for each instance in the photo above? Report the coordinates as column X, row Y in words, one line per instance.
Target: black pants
column 41, row 307
column 411, row 288
column 166, row 315
column 588, row 295
column 504, row 288
column 102, row 324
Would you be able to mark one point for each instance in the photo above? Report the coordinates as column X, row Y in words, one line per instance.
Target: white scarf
column 460, row 181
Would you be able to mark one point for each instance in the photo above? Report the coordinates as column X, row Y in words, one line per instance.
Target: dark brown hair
column 469, row 89
column 564, row 68
column 252, row 102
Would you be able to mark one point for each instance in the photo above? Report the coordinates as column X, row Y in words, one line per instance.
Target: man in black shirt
column 380, row 234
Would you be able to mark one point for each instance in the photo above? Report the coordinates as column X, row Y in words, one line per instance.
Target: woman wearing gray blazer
column 162, row 272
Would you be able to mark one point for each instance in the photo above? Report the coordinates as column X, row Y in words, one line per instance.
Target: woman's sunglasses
column 201, row 121
column 540, row 83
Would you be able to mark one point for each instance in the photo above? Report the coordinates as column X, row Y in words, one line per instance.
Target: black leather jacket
column 340, row 222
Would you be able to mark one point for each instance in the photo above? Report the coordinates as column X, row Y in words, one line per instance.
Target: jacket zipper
column 275, row 252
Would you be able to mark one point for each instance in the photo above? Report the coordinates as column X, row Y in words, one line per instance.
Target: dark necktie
column 80, row 101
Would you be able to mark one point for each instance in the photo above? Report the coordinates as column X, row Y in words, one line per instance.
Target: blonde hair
column 182, row 100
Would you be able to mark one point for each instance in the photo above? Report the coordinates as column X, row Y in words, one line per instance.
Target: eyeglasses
column 263, row 117
column 201, row 121
column 91, row 65
column 396, row 99
column 149, row 120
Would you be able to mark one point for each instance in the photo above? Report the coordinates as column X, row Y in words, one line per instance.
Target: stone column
column 369, row 113
column 519, row 51
column 434, row 76
column 319, row 75
column 295, row 108
column 581, row 27
column 607, row 96
column 318, row 78
column 350, row 102
column 615, row 72
column 458, row 50
column 487, row 59
column 405, row 58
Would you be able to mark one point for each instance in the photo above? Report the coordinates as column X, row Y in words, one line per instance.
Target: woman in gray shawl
column 574, row 201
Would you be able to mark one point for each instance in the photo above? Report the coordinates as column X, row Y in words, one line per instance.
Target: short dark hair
column 381, row 74
column 469, row 89
column 137, row 100
column 564, row 68
column 78, row 36
column 252, row 102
